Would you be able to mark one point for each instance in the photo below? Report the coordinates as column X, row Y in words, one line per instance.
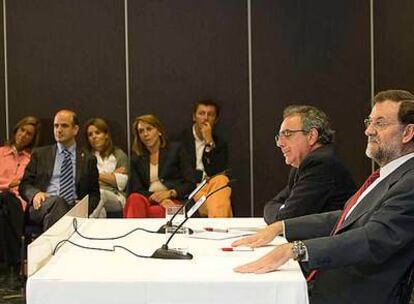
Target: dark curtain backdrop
column 67, row 54
column 184, row 51
column 3, row 134
column 71, row 53
column 309, row 52
column 394, row 45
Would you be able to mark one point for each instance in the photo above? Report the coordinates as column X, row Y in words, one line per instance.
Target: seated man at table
column 59, row 174
column 318, row 181
column 365, row 253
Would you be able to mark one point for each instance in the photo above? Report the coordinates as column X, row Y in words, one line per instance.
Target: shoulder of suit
column 218, row 138
column 324, row 155
column 173, row 145
column 43, row 149
column 186, row 137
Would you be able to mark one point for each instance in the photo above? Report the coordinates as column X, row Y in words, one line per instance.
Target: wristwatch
column 299, row 251
column 210, row 146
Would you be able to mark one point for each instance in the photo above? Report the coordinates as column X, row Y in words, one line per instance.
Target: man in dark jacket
column 208, row 152
column 58, row 175
column 318, row 181
column 365, row 253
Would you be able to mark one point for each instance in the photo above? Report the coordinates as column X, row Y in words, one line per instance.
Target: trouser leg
column 11, row 227
column 136, row 206
column 219, row 204
column 50, row 211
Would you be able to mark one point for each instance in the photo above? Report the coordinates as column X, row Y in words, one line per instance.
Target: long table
column 77, row 275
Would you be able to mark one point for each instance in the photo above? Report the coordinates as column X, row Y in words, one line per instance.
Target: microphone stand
column 164, row 252
column 186, row 203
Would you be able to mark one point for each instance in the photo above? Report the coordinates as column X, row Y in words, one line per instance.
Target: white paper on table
column 211, row 235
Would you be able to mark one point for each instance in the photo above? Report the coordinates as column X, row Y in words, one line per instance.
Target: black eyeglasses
column 287, row 133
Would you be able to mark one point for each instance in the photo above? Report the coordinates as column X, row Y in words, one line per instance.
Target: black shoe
column 14, row 281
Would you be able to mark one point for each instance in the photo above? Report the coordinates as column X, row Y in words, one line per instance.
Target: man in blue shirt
column 58, row 175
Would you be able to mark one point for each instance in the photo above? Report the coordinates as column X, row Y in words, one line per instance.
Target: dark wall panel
column 309, row 52
column 3, row 134
column 67, row 53
column 394, row 45
column 182, row 51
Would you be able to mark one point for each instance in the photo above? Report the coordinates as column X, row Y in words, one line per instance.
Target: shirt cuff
column 121, row 180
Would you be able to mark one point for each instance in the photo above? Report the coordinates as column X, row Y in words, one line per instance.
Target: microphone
column 164, row 252
column 184, row 205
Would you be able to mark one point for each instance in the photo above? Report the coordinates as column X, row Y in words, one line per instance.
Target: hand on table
column 269, row 262
column 262, row 237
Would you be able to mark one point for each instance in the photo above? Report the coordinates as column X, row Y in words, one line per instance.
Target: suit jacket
column 321, row 183
column 368, row 260
column 40, row 169
column 214, row 161
column 174, row 171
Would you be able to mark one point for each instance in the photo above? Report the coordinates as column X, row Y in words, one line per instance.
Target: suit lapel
column 161, row 163
column 51, row 163
column 145, row 167
column 79, row 161
column 374, row 197
column 189, row 142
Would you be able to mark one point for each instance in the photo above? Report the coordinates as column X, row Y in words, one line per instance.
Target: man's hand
column 207, row 132
column 262, row 237
column 121, row 170
column 167, row 203
column 14, row 183
column 159, row 196
column 38, row 199
column 269, row 262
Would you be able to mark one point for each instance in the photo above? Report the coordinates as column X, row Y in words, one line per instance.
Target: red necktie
column 351, row 203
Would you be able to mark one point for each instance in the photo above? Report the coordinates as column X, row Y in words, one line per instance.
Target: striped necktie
column 66, row 178
column 351, row 203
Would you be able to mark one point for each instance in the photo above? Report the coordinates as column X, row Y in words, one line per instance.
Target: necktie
column 351, row 203
column 66, row 178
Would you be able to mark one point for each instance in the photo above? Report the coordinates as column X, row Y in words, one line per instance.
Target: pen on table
column 211, row 229
column 237, row 249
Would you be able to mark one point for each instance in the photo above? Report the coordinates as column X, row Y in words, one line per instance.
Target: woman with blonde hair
column 160, row 172
column 112, row 165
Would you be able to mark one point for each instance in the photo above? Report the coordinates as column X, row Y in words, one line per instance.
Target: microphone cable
column 110, row 238
column 75, row 227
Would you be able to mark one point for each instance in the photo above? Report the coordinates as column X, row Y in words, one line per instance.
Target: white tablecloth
column 76, row 275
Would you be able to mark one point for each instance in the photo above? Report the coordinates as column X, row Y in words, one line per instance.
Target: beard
column 383, row 153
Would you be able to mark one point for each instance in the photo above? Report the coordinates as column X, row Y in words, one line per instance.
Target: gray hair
column 312, row 118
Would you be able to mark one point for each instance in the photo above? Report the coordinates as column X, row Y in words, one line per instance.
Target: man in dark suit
column 208, row 152
column 59, row 175
column 318, row 181
column 364, row 253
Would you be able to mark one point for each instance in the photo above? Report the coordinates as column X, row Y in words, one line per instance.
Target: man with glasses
column 318, row 181
column 365, row 253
